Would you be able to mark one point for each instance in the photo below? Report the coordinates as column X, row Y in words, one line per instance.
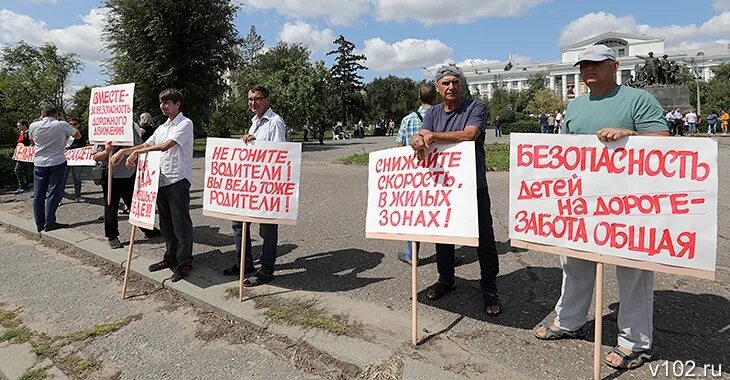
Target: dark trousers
column 21, row 173
column 270, row 234
column 76, row 174
column 47, row 192
column 486, row 251
column 306, row 134
column 173, row 205
column 122, row 188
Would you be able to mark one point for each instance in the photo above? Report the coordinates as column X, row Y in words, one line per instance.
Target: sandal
column 628, row 361
column 438, row 290
column 492, row 300
column 551, row 334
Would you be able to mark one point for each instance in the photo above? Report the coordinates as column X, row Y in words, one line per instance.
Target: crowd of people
column 611, row 112
column 688, row 124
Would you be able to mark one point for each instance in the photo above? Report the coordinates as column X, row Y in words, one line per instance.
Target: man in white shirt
column 266, row 125
column 558, row 121
column 175, row 139
column 49, row 166
column 691, row 117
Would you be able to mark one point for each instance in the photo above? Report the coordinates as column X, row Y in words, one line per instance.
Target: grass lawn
column 497, row 158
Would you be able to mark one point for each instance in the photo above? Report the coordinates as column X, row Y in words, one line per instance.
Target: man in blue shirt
column 456, row 120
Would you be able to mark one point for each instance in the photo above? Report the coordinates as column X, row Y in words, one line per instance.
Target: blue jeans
column 270, row 234
column 408, row 251
column 76, row 174
column 47, row 192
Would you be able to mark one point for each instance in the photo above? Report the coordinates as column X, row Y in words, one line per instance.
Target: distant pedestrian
column 712, row 123
column 543, row 120
column 49, row 136
column 76, row 171
column 497, row 127
column 22, row 169
column 146, row 126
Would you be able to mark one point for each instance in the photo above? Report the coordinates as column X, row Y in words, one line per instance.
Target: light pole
column 697, row 70
column 429, row 72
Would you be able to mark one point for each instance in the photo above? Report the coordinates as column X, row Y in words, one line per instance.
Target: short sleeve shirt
column 120, row 170
column 470, row 112
column 623, row 107
column 49, row 136
column 176, row 163
column 271, row 127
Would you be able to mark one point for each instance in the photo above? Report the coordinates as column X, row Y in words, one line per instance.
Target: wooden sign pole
column 129, row 262
column 597, row 338
column 414, row 292
column 242, row 276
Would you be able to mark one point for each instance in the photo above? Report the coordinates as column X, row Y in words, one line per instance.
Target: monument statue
column 656, row 71
column 650, row 68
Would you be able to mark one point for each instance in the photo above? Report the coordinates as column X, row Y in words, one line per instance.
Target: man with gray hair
column 611, row 112
column 456, row 120
column 49, row 166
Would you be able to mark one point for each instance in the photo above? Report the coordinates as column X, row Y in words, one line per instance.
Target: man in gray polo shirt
column 49, row 166
column 456, row 120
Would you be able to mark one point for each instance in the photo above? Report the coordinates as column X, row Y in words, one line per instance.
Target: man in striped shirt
column 409, row 126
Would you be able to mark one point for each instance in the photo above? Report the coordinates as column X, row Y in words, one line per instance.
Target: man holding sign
column 175, row 139
column 612, row 112
column 266, row 125
column 456, row 120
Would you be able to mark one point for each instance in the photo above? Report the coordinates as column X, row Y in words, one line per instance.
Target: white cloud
column 676, row 37
column 462, row 11
column 83, row 39
column 721, row 5
column 301, row 32
column 339, row 12
column 408, row 54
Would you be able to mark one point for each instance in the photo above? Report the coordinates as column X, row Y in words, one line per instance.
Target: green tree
column 30, row 76
column 546, row 101
column 715, row 94
column 251, row 45
column 300, row 90
column 79, row 104
column 347, row 82
column 189, row 45
column 391, row 98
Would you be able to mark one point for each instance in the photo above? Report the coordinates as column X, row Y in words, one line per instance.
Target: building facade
column 565, row 79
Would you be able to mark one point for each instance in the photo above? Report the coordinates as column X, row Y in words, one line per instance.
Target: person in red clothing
column 22, row 168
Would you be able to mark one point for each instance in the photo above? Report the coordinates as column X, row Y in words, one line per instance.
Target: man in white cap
column 612, row 112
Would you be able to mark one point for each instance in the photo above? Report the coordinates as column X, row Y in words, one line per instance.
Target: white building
column 563, row 77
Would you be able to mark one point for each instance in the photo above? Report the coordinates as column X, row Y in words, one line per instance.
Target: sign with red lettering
column 146, row 183
column 111, row 114
column 433, row 200
column 250, row 181
column 650, row 199
column 74, row 157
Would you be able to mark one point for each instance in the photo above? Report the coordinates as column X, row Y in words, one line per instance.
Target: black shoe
column 160, row 266
column 258, row 278
column 115, row 243
column 40, row 229
column 56, row 226
column 153, row 233
column 181, row 273
column 235, row 270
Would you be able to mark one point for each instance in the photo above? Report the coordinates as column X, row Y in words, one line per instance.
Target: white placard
column 111, row 115
column 146, row 184
column 255, row 180
column 435, row 198
column 652, row 199
column 74, row 157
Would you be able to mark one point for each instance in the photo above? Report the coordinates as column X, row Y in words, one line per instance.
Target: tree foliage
column 188, row 45
column 251, row 45
column 544, row 101
column 347, row 82
column 391, row 98
column 715, row 94
column 30, row 76
column 79, row 104
column 300, row 89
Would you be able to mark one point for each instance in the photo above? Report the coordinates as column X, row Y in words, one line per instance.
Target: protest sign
column 433, row 200
column 254, row 182
column 74, row 157
column 641, row 202
column 111, row 114
column 146, row 184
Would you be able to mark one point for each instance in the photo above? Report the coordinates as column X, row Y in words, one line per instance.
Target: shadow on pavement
column 330, row 271
column 525, row 298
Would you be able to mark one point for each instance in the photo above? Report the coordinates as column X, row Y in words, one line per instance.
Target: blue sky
column 401, row 36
